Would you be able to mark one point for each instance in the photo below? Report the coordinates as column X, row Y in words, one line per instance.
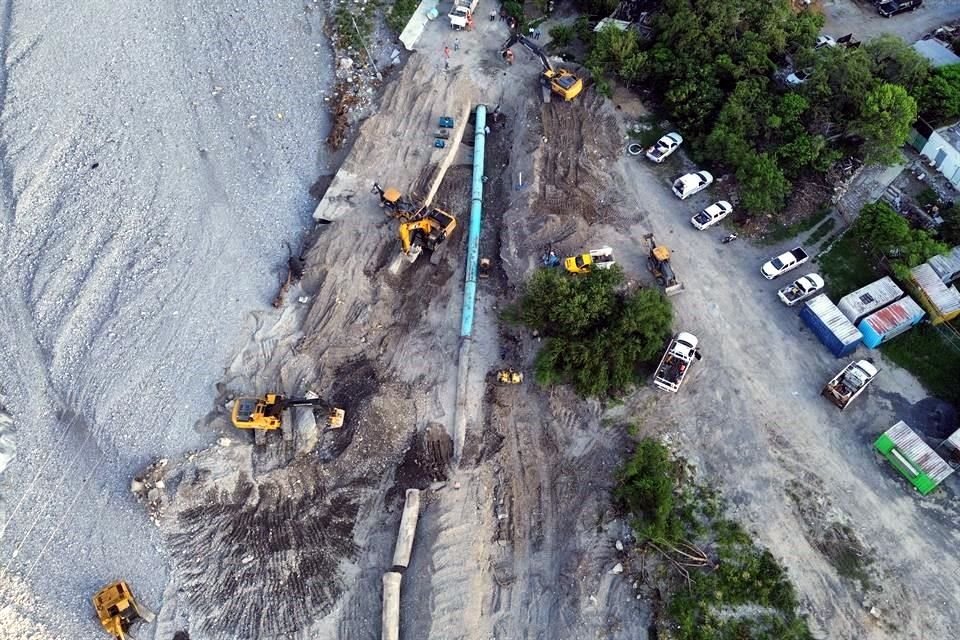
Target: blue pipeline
column 473, row 237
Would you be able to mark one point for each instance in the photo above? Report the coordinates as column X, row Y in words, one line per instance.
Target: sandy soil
column 154, row 159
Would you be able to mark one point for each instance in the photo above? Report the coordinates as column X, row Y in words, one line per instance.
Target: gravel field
column 154, row 157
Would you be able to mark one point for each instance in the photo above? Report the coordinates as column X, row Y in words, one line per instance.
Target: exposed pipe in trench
column 470, row 283
column 390, row 615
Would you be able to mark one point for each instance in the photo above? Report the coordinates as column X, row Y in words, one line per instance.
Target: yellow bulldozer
column 394, row 204
column 118, row 610
column 658, row 262
column 266, row 414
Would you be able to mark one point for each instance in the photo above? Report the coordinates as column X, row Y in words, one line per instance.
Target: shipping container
column 890, row 321
column 948, row 266
column 913, row 457
column 940, row 301
column 830, row 326
column 865, row 300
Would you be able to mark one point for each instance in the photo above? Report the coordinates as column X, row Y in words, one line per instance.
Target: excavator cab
column 427, row 230
column 266, row 413
column 560, row 81
column 118, row 610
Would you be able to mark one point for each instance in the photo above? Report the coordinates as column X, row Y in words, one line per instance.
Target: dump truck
column 676, row 361
column 801, row 289
column 784, row 262
column 658, row 262
column 849, row 383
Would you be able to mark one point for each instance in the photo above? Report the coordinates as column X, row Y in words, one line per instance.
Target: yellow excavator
column 427, row 230
column 560, row 81
column 266, row 413
column 118, row 610
column 393, row 202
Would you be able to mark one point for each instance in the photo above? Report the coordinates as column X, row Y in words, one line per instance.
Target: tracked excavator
column 393, row 203
column 118, row 610
column 266, row 414
column 560, row 81
column 427, row 230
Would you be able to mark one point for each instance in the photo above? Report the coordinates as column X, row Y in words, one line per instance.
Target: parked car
column 691, row 183
column 799, row 77
column 825, row 41
column 664, row 147
column 783, row 263
column 801, row 289
column 893, row 7
column 711, row 215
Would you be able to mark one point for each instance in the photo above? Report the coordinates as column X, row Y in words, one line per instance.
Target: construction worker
column 493, row 15
column 508, row 55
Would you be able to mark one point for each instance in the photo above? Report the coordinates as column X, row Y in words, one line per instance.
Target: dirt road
column 860, row 18
column 788, row 462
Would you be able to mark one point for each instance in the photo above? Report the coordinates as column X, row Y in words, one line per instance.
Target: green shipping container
column 912, row 457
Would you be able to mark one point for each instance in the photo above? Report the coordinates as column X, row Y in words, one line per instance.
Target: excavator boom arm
column 532, row 47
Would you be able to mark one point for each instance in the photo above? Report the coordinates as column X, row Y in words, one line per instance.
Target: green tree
column 950, row 229
column 597, row 338
column 561, row 35
column 884, row 231
column 763, row 187
column 885, row 120
column 897, row 62
column 645, row 488
column 617, row 51
column 939, row 97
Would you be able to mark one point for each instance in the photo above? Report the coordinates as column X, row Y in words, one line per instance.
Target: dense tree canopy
column 939, row 97
column 884, row 231
column 597, row 336
column 717, row 68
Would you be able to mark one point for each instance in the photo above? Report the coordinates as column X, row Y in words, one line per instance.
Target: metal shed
column 865, row 300
column 948, row 266
column 890, row 321
column 830, row 326
column 940, row 301
column 912, row 457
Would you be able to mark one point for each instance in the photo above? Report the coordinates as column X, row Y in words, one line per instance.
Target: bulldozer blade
column 673, row 290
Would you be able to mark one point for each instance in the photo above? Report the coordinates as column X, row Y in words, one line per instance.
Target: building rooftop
column 936, row 52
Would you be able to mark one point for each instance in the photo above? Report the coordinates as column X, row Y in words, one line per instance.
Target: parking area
column 860, row 18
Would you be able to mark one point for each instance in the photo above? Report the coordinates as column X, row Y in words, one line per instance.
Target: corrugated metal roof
column 869, row 298
column 945, row 299
column 901, row 312
column 833, row 319
column 936, row 52
column 948, row 266
column 954, row 440
column 918, row 452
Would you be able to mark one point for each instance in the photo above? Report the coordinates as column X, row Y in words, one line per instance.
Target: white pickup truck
column 850, row 383
column 801, row 289
column 783, row 263
column 462, row 9
column 676, row 362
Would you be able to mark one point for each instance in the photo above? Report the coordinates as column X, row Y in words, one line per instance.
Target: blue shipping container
column 830, row 326
column 890, row 322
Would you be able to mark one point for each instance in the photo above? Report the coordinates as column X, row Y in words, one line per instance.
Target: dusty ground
column 291, row 540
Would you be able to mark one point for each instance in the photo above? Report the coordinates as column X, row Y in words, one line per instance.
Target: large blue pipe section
column 476, row 210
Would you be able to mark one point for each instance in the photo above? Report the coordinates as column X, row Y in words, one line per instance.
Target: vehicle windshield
column 566, row 81
column 580, row 262
column 777, row 264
